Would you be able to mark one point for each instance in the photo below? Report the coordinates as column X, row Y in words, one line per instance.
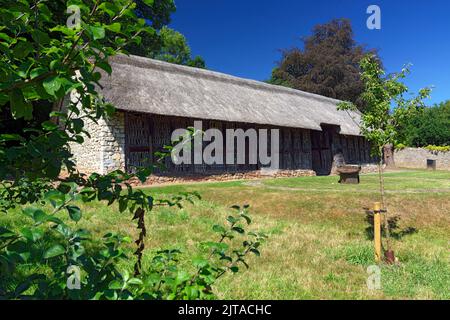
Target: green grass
column 318, row 247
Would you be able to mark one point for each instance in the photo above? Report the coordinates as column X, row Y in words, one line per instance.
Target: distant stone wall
column 104, row 151
column 416, row 158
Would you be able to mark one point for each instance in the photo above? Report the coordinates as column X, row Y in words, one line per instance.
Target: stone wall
column 104, row 151
column 113, row 143
column 416, row 158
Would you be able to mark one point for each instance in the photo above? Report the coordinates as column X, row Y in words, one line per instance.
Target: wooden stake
column 377, row 230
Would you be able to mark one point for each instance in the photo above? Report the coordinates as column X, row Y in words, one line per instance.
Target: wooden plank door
column 138, row 144
column 322, row 157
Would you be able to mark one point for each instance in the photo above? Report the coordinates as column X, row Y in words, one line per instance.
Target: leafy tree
column 42, row 62
column 327, row 65
column 159, row 42
column 429, row 127
column 385, row 113
column 157, row 12
column 174, row 49
column 166, row 44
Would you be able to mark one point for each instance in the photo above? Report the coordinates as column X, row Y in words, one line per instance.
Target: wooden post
column 377, row 230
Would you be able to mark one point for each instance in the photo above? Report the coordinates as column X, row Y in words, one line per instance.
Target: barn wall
column 104, row 151
column 147, row 134
column 130, row 140
column 356, row 150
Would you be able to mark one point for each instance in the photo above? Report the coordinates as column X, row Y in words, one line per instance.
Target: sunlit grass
column 318, row 247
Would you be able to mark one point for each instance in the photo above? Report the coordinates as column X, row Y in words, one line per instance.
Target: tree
column 328, row 65
column 157, row 15
column 174, row 49
column 429, row 127
column 386, row 111
column 159, row 42
column 42, row 61
column 165, row 44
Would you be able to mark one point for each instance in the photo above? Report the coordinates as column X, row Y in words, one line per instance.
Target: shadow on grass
column 395, row 231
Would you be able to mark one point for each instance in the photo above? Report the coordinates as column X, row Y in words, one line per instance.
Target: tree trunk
column 388, row 154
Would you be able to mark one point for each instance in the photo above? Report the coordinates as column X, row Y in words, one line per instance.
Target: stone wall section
column 104, row 151
column 416, row 158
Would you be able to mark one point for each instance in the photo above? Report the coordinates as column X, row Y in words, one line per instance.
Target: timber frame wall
column 300, row 149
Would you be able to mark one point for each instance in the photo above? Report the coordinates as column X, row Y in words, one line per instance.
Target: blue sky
column 243, row 37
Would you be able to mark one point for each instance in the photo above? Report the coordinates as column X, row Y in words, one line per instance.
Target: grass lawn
column 318, row 245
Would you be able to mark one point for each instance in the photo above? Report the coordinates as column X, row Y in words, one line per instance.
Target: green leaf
column 238, row 229
column 105, row 66
column 52, row 85
column 182, row 276
column 55, row 197
column 109, row 8
column 6, row 234
column 54, row 251
column 49, row 126
column 37, row 72
column 247, row 218
column 97, row 32
column 5, row 37
column 123, row 203
column 40, row 37
column 199, row 262
column 232, row 219
column 11, row 137
column 219, row 229
column 19, row 107
column 234, row 269
column 115, row 285
column 74, row 213
column 40, row 216
column 114, row 27
column 135, row 281
column 32, row 234
column 22, row 49
column 149, row 2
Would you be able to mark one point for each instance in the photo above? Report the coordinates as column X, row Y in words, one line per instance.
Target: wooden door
column 322, row 156
column 138, row 144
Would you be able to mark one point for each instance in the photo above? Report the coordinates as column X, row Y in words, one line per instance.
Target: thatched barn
column 154, row 98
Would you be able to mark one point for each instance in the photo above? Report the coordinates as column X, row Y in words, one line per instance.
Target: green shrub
column 438, row 148
column 431, row 126
column 43, row 258
column 400, row 146
column 43, row 61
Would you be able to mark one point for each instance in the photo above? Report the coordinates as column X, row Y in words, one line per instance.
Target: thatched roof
column 150, row 86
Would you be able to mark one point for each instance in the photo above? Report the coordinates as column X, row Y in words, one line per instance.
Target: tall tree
column 327, row 65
